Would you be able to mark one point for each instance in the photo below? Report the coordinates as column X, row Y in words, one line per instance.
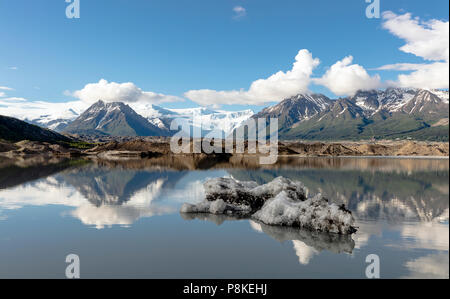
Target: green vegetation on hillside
column 14, row 130
column 82, row 145
column 400, row 126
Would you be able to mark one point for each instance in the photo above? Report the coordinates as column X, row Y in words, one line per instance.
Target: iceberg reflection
column 306, row 243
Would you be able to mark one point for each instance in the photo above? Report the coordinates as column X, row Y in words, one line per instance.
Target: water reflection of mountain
column 14, row 173
column 173, row 162
column 373, row 188
column 115, row 186
column 382, row 164
column 420, row 195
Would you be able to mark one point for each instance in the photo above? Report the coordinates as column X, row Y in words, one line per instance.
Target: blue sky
column 173, row 46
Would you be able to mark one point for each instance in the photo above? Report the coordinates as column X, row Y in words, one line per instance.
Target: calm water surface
column 123, row 220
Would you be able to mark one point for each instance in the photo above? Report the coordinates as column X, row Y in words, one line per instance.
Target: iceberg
column 281, row 202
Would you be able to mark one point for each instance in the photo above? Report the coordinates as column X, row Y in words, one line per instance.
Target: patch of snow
column 342, row 112
column 151, row 111
column 157, row 122
column 361, row 103
column 53, row 125
column 443, row 94
column 321, row 118
column 398, row 105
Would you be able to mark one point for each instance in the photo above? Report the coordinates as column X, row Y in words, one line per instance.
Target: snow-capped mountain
column 390, row 113
column 54, row 116
column 156, row 115
column 139, row 119
column 443, row 94
column 297, row 108
column 398, row 100
column 346, row 109
column 116, row 119
column 215, row 123
column 58, row 116
column 390, row 100
column 426, row 102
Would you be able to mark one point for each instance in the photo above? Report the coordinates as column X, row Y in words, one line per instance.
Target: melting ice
column 281, row 202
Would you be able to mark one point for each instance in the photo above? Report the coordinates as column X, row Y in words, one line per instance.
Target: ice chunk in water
column 246, row 198
column 314, row 213
column 217, row 207
column 281, row 202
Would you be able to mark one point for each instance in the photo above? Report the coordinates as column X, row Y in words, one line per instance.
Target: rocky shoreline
column 142, row 148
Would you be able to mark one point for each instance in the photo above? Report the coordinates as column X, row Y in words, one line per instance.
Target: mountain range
column 117, row 118
column 392, row 113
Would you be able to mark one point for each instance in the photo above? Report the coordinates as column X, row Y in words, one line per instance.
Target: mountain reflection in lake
column 122, row 219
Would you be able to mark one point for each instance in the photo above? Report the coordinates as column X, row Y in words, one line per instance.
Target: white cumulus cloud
column 344, row 78
column 120, row 92
column 428, row 40
column 434, row 76
column 277, row 87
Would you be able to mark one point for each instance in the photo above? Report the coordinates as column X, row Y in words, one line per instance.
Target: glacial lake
column 122, row 219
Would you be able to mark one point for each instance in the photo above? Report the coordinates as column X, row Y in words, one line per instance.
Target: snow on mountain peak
column 396, row 99
column 297, row 108
column 54, row 116
column 443, row 94
column 222, row 123
column 212, row 120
